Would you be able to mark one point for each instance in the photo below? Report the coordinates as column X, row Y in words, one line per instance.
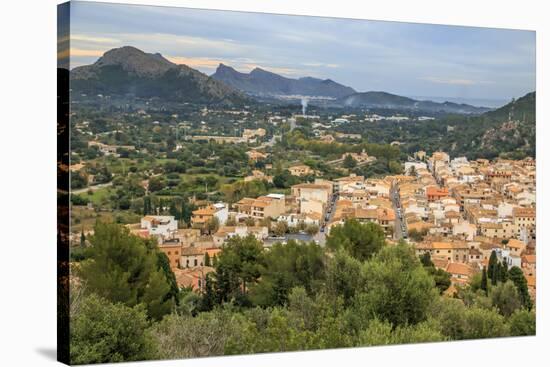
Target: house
column 460, row 273
column 193, row 278
column 202, row 216
column 268, row 206
column 159, row 225
column 525, row 219
column 250, row 134
column 312, row 198
column 300, row 170
column 255, row 156
column 294, row 219
column 435, row 193
column 516, row 247
column 192, row 256
column 172, row 249
column 258, row 175
column 529, row 264
column 457, row 251
column 226, row 232
column 359, row 157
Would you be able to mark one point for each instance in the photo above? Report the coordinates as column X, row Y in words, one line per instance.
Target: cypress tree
column 516, row 275
column 503, row 276
column 484, row 280
column 491, row 270
column 82, row 239
column 496, row 274
column 206, row 259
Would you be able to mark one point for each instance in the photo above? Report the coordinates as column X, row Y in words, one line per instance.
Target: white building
column 222, row 212
column 160, row 225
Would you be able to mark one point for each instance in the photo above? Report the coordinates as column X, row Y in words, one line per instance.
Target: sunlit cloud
column 83, row 52
column 451, row 81
column 320, row 65
column 195, row 62
column 92, row 39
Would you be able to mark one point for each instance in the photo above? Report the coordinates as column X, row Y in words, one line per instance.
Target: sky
column 408, row 59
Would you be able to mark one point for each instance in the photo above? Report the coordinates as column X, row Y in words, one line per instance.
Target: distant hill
column 128, row 71
column 511, row 128
column 265, row 83
column 395, row 102
column 523, row 109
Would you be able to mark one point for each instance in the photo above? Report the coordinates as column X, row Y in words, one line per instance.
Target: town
column 458, row 211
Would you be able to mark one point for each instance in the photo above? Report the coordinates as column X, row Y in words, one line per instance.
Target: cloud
column 195, row 62
column 452, row 81
column 320, row 65
column 92, row 39
column 78, row 52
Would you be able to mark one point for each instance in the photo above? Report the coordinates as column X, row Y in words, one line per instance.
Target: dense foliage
column 359, row 291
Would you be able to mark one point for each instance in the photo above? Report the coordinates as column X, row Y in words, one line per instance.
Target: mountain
column 395, row 102
column 128, row 71
column 265, row 83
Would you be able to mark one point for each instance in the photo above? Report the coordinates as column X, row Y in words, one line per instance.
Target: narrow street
column 400, row 231
column 320, row 237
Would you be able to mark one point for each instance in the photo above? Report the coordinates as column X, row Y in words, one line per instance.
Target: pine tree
column 484, row 280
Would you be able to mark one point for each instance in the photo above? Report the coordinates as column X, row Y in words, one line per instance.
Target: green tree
column 238, row 267
column 382, row 333
column 212, row 225
column 484, row 285
column 82, row 239
column 426, row 260
column 505, row 298
column 102, row 332
column 279, row 228
column 523, row 322
column 156, row 184
column 349, row 162
column 121, row 268
column 399, row 290
column 516, row 276
column 492, row 270
column 286, row 266
column 207, row 259
column 163, row 263
column 361, row 241
column 484, row 323
column 344, row 278
column 312, row 229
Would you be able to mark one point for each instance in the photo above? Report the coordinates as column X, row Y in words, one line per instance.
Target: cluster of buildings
column 107, row 149
column 365, row 200
column 463, row 210
column 458, row 211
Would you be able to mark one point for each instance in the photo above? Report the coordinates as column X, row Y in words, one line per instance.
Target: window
column 196, row 262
